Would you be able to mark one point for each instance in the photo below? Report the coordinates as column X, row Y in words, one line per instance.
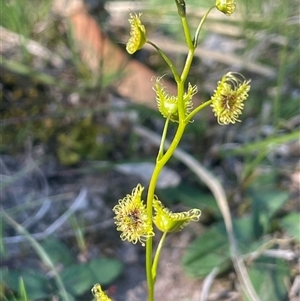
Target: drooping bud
column 167, row 221
column 181, row 7
column 226, row 6
column 99, row 294
column 137, row 34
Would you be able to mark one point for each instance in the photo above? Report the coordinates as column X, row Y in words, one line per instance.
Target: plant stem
column 163, row 139
column 162, row 158
column 189, row 59
column 157, row 255
column 187, row 33
column 160, row 163
column 180, row 93
column 195, row 41
column 167, row 60
column 196, row 110
column 150, row 280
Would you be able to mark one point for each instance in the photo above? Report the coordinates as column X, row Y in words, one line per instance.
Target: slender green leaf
column 22, row 290
column 259, row 146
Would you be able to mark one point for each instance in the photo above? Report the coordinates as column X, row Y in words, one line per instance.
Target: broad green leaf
column 268, row 277
column 34, row 283
column 105, row 270
column 206, row 252
column 57, row 251
column 69, row 296
column 191, row 197
column 291, row 223
column 265, row 203
column 77, row 278
column 211, row 249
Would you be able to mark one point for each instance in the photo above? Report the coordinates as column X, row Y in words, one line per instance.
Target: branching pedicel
column 133, row 217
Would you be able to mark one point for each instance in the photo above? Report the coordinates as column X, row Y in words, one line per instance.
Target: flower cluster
column 131, row 217
column 137, row 34
column 228, row 100
column 168, row 104
column 99, row 294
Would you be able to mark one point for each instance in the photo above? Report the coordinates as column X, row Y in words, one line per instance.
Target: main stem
column 162, row 159
column 150, row 196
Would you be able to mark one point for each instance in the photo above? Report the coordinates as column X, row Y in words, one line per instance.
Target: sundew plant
column 139, row 220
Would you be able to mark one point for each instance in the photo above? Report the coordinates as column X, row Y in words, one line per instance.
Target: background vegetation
column 64, row 134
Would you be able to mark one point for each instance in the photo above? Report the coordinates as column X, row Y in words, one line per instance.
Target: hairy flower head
column 137, row 34
column 228, row 99
column 131, row 217
column 226, row 6
column 99, row 294
column 168, row 104
column 167, row 221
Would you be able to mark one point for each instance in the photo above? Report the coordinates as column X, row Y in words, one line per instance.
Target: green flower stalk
column 137, row 34
column 131, row 217
column 228, row 100
column 99, row 294
column 226, row 6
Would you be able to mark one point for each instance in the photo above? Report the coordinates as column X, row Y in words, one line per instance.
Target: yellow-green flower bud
column 137, row 34
column 168, row 104
column 167, row 221
column 99, row 294
column 228, row 99
column 226, row 6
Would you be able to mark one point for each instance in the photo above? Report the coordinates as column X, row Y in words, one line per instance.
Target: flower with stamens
column 137, row 34
column 168, row 104
column 167, row 221
column 131, row 217
column 228, row 100
column 99, row 294
column 226, row 6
